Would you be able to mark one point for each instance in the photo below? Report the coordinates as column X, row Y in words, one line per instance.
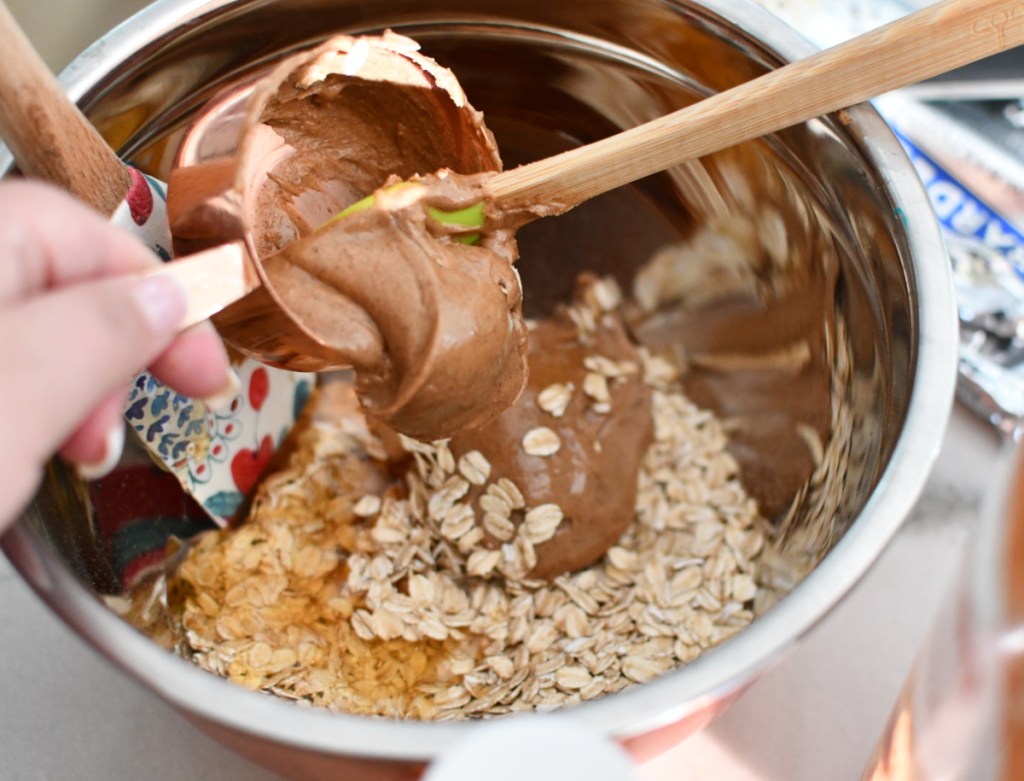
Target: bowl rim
column 723, row 672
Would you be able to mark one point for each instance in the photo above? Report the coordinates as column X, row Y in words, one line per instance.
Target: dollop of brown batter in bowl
column 603, row 427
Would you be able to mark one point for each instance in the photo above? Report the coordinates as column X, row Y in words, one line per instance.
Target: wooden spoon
column 924, row 44
column 48, row 136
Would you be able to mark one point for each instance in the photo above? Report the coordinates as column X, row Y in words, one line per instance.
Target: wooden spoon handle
column 916, row 47
column 47, row 134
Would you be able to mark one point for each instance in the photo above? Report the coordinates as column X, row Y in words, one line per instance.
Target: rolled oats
column 541, row 441
column 482, row 562
column 610, row 369
column 540, row 523
column 407, row 613
column 475, row 467
column 509, row 491
column 368, row 506
column 499, row 526
column 457, row 522
column 572, row 677
column 502, row 666
column 607, row 294
column 642, row 669
column 494, row 504
column 596, row 387
column 554, row 399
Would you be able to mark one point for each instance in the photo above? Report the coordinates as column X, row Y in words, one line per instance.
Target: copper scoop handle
column 45, row 131
column 213, row 279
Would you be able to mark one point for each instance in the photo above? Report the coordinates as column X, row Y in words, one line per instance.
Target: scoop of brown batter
column 433, row 327
column 448, row 313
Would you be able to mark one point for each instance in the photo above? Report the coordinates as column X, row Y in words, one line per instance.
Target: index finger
column 48, row 239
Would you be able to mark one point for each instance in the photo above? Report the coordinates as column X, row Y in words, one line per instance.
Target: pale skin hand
column 75, row 325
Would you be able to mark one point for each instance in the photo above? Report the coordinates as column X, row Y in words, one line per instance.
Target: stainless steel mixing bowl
column 622, row 61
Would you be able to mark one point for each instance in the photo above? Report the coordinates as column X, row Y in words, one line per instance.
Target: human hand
column 75, row 325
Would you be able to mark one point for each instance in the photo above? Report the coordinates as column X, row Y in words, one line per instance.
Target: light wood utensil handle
column 916, row 47
column 47, row 134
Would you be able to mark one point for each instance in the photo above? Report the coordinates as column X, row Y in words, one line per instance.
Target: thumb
column 66, row 351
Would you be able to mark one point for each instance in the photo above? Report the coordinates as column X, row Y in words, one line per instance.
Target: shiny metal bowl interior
column 141, row 83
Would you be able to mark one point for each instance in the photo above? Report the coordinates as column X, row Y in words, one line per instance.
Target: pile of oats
column 346, row 591
column 348, row 600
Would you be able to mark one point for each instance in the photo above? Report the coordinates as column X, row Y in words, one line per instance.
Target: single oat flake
column 555, row 398
column 541, row 441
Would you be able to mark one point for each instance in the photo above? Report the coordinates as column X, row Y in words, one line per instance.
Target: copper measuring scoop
column 218, row 188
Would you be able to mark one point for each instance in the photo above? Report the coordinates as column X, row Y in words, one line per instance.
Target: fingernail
column 114, row 445
column 162, row 300
column 222, row 399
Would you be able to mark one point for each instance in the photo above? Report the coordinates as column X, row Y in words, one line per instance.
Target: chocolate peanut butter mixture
column 572, row 441
column 448, row 535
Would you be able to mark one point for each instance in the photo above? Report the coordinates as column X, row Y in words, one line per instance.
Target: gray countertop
column 67, row 715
